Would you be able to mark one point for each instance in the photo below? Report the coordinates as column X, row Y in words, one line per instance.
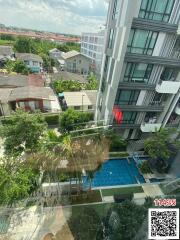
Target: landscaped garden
column 121, row 191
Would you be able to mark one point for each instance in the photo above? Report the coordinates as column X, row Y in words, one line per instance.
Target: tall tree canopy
column 92, row 82
column 17, row 181
column 67, row 85
column 161, row 146
column 22, row 131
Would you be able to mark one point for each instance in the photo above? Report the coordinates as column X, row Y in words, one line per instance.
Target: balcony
column 169, row 87
column 150, row 127
column 177, row 109
column 142, row 108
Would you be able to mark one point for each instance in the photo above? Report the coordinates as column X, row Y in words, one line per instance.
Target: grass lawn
column 118, row 154
column 6, row 42
column 101, row 209
column 89, row 197
column 124, row 190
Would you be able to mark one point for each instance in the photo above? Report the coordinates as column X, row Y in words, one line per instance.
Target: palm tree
column 90, row 178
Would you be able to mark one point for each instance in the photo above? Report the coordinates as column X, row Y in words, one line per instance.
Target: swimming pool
column 116, row 172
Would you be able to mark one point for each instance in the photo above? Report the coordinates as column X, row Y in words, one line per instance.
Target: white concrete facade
column 140, row 70
column 92, row 46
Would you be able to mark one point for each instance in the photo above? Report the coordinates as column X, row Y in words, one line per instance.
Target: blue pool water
column 116, row 172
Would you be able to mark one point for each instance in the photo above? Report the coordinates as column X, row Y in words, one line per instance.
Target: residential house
column 27, row 92
column 76, row 62
column 18, row 80
column 55, row 54
column 80, row 101
column 32, row 98
column 33, row 62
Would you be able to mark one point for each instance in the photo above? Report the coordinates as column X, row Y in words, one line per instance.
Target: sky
column 63, row 16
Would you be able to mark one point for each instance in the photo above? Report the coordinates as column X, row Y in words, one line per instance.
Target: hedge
column 52, row 119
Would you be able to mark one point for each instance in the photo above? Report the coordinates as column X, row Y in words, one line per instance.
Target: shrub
column 72, row 120
column 145, row 168
column 5, row 121
column 118, row 154
column 117, row 143
column 52, row 119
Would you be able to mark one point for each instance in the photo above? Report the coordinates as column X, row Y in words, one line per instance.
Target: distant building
column 80, row 101
column 18, row 80
column 32, row 61
column 141, row 67
column 26, row 92
column 76, row 62
column 92, row 47
column 55, row 54
column 32, row 98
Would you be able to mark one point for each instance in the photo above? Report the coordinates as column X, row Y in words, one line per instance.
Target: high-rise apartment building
column 141, row 66
column 92, row 46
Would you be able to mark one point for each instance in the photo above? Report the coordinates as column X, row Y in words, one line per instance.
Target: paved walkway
column 152, row 190
column 34, row 224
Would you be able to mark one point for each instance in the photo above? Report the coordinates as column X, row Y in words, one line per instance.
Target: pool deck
column 152, row 190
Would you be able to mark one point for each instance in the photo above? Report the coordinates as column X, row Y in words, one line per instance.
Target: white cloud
column 65, row 16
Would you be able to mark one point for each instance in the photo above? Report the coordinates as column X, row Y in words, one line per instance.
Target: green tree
column 63, row 48
column 145, row 168
column 67, row 85
column 160, row 147
column 7, row 37
column 86, row 225
column 22, row 131
column 24, row 45
column 73, row 46
column 71, row 120
column 48, row 63
column 16, row 181
column 9, row 66
column 116, row 142
column 17, row 66
column 123, row 221
column 92, row 82
column 69, row 47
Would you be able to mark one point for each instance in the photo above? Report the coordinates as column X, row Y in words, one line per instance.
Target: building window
column 77, row 107
column 111, row 70
column 90, row 107
column 26, row 62
column 151, row 117
column 103, row 85
column 129, row 117
column 137, row 72
column 106, row 64
column 127, row 97
column 158, row 10
column 111, row 38
column 116, row 8
column 79, row 61
column 157, row 99
column 169, row 74
column 35, row 63
column 142, row 41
